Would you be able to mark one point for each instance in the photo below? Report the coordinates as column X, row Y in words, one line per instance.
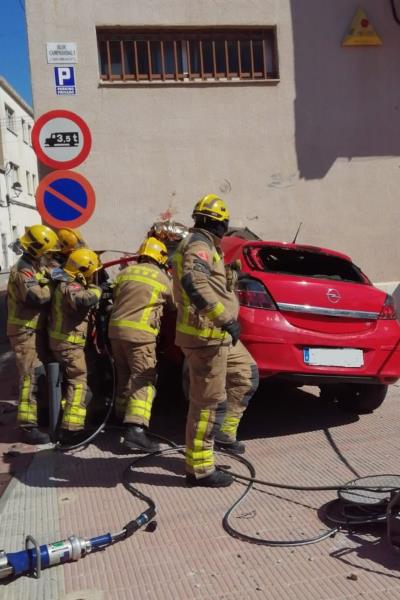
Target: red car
column 310, row 315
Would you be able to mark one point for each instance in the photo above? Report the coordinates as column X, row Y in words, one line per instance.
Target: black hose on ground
column 300, row 488
column 262, row 541
column 250, row 482
column 341, row 520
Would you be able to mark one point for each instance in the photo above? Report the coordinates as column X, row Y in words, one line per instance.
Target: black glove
column 105, row 286
column 233, row 328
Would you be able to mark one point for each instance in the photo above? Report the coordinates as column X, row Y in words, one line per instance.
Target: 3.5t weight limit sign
column 61, row 139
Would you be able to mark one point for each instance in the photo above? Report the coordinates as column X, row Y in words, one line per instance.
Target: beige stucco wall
column 321, row 147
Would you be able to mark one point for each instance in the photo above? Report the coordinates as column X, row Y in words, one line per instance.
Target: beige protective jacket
column 203, row 300
column 140, row 292
column 70, row 310
column 28, row 297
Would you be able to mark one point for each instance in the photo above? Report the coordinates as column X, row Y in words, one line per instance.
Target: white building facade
column 18, row 172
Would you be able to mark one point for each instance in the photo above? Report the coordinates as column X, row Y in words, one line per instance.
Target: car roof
column 232, row 241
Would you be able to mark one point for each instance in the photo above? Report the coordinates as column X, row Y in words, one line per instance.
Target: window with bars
column 199, row 54
column 24, row 126
column 10, row 118
column 13, row 173
column 28, row 182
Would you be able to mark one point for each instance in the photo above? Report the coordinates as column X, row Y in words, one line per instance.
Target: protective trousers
column 30, row 349
column 136, row 380
column 73, row 366
column 222, row 381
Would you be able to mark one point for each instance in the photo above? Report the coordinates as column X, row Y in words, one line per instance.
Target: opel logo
column 333, row 295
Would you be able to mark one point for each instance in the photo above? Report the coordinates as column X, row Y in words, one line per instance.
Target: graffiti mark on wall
column 225, row 187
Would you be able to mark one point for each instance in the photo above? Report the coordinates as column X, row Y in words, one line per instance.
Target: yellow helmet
column 70, row 239
column 213, row 207
column 83, row 261
column 39, row 239
column 155, row 249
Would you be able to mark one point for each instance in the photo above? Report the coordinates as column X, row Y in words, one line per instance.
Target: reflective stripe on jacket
column 28, row 296
column 140, row 292
column 69, row 314
column 200, row 290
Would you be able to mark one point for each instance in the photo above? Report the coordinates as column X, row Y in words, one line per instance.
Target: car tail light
column 388, row 310
column 253, row 294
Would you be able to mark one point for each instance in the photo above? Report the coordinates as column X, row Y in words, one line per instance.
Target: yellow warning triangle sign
column 361, row 32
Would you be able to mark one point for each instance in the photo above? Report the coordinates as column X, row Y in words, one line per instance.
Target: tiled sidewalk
column 290, row 438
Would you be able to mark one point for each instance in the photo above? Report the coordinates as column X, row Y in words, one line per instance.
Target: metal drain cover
column 370, row 498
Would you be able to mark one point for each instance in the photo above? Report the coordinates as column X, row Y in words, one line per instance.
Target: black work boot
column 137, row 438
column 230, row 447
column 33, row 435
column 216, row 479
column 69, row 438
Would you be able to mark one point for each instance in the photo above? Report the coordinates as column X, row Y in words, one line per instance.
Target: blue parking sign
column 65, row 81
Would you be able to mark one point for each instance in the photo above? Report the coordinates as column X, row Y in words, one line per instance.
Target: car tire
column 356, row 398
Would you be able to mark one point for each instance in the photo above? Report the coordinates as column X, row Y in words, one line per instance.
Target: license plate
column 333, row 357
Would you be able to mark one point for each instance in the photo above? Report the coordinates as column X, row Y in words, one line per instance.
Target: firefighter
column 29, row 293
column 70, row 239
column 140, row 293
column 74, row 299
column 223, row 375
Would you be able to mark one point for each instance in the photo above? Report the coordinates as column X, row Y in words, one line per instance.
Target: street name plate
column 61, row 52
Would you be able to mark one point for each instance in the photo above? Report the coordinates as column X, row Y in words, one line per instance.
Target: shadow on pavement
column 9, row 433
column 73, row 469
column 377, row 550
column 277, row 409
column 274, row 411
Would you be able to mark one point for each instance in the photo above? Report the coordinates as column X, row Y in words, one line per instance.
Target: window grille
column 13, row 173
column 24, row 131
column 10, row 120
column 201, row 55
column 28, row 183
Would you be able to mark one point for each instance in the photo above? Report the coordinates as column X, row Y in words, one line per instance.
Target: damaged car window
column 306, row 263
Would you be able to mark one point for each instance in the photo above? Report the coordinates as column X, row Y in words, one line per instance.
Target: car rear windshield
column 306, row 263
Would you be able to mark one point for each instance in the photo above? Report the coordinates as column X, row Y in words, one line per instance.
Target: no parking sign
column 65, row 199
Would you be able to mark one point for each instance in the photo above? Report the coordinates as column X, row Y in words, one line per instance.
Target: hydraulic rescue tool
column 35, row 558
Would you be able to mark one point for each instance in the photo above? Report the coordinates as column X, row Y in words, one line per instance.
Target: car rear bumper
column 311, row 379
column 277, row 347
